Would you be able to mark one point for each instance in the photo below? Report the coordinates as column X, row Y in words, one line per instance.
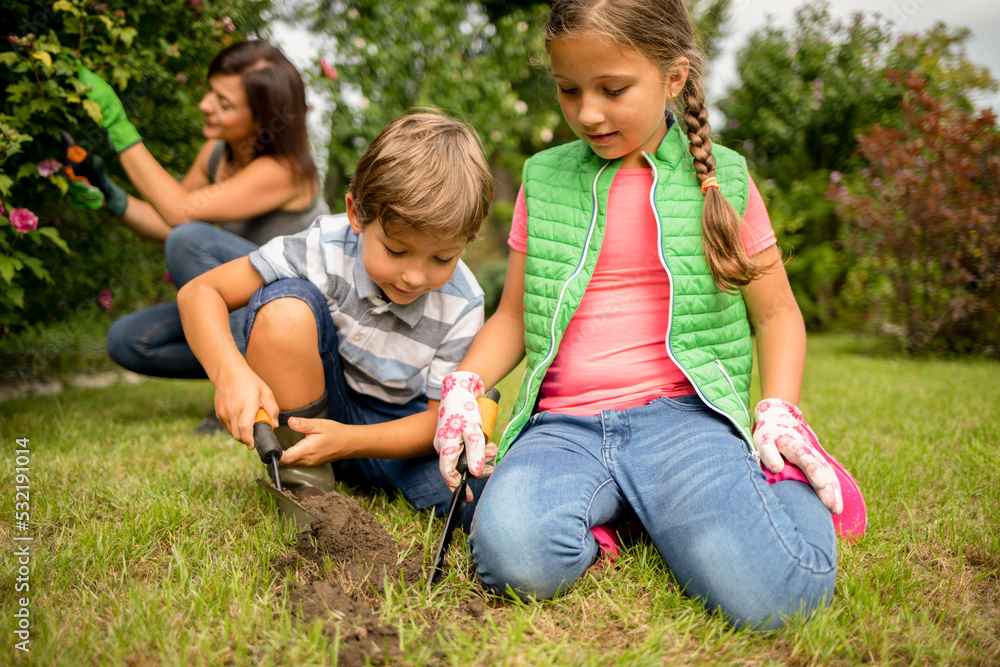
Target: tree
column 802, row 98
column 923, row 222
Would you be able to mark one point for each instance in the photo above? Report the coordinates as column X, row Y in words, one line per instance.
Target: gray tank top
column 264, row 227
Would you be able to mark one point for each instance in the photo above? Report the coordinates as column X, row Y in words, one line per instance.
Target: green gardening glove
column 90, row 187
column 121, row 133
column 114, row 196
column 85, row 197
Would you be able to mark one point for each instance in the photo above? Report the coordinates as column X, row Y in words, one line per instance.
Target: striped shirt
column 389, row 351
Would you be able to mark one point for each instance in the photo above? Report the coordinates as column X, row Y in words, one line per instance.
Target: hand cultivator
column 489, row 407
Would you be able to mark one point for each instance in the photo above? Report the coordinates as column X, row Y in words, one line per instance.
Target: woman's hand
column 121, row 133
column 779, row 431
column 104, row 193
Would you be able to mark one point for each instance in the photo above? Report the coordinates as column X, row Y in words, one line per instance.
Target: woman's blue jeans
column 151, row 341
column 755, row 552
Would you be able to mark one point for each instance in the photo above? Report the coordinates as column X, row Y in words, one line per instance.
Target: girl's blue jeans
column 755, row 552
column 151, row 341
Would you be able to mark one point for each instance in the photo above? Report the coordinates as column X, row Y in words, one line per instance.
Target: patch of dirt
column 364, row 558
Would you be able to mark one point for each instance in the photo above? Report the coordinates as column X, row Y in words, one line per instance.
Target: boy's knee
column 283, row 321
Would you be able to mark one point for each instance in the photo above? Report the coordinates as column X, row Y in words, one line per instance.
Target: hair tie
column 709, row 182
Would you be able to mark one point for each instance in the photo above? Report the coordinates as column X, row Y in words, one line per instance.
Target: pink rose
column 167, row 278
column 23, row 220
column 227, row 25
column 104, row 298
column 48, row 167
column 328, row 70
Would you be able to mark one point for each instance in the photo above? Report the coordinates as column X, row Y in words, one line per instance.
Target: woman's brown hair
column 663, row 32
column 277, row 100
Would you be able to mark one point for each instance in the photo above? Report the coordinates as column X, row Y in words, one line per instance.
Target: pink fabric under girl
column 615, row 327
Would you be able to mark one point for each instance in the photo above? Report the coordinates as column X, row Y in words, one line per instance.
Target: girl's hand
column 460, row 425
column 779, row 431
column 318, row 447
column 239, row 394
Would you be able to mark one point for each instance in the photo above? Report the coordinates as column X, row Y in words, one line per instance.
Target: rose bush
column 155, row 54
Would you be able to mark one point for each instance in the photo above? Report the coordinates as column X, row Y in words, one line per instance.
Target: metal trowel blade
column 290, row 508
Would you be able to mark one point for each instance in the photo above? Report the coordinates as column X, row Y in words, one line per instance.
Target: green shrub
column 491, row 276
column 156, row 55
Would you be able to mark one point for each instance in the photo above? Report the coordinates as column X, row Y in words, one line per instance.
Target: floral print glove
column 460, row 424
column 780, row 433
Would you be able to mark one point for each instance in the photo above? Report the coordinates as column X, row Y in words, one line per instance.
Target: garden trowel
column 269, row 450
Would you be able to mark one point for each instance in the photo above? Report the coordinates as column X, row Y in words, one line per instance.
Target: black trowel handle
column 267, row 444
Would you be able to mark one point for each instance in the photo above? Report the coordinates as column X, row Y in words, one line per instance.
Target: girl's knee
column 764, row 605
column 532, row 557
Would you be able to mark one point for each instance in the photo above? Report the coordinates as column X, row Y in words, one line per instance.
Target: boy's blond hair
column 424, row 172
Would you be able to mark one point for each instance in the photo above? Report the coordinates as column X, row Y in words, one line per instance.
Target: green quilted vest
column 708, row 337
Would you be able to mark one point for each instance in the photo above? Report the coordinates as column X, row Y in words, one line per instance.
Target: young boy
column 359, row 318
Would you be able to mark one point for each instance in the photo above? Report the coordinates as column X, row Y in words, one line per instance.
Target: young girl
column 631, row 278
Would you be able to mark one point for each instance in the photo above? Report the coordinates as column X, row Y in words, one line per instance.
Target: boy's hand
column 316, row 448
column 779, row 431
column 460, row 424
column 239, row 394
column 121, row 133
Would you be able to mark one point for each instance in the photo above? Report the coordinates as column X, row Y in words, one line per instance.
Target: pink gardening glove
column 460, row 423
column 780, row 430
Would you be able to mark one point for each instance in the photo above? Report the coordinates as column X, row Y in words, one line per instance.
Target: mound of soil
column 364, row 558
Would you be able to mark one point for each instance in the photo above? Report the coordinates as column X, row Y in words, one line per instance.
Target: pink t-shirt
column 613, row 355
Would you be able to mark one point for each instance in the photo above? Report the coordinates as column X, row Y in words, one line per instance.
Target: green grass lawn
column 152, row 547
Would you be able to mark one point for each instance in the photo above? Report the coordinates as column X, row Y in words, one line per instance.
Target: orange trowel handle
column 262, row 417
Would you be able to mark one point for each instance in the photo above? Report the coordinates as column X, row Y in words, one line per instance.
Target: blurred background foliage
column 156, row 55
column 803, row 102
column 802, row 98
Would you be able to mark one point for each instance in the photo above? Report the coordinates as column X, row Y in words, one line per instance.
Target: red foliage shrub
column 924, row 218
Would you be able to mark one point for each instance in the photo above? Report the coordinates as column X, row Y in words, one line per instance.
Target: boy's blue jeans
column 753, row 551
column 151, row 341
column 418, row 479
